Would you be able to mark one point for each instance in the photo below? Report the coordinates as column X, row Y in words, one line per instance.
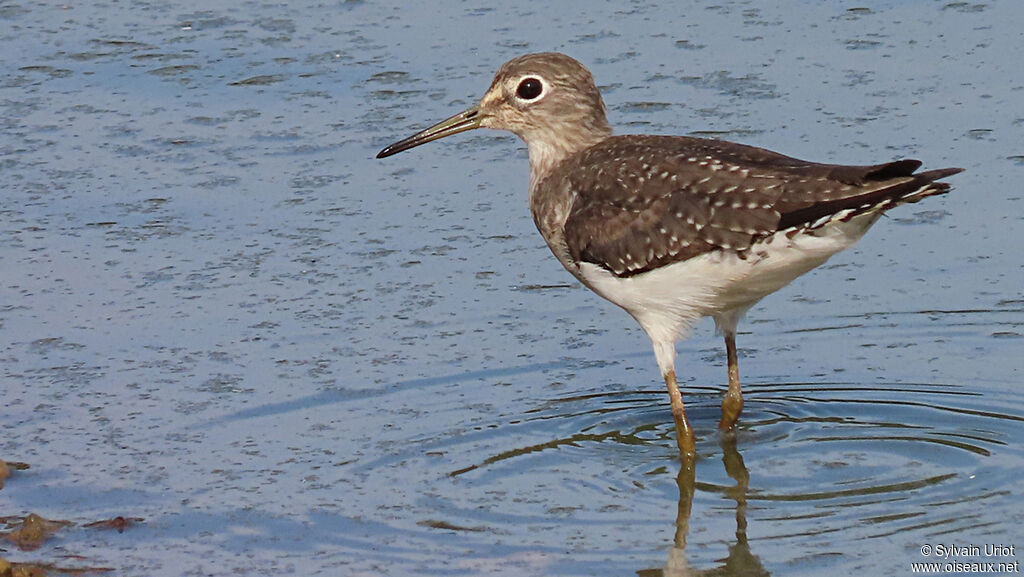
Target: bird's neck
column 548, row 150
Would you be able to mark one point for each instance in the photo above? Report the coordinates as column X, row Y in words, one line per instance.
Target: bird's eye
column 529, row 88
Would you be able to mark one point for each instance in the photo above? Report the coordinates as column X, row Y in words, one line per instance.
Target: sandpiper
column 675, row 228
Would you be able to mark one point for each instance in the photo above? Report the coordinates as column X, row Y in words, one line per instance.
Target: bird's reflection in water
column 740, row 562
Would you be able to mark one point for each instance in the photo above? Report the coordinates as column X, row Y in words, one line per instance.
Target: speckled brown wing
column 643, row 202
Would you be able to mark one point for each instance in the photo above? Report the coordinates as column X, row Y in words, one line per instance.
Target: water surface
column 221, row 315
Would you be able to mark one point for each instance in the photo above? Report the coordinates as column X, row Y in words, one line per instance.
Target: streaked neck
column 550, row 149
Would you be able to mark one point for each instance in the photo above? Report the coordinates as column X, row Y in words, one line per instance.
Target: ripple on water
column 810, row 460
column 879, row 461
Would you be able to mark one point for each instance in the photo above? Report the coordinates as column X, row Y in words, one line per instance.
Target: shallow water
column 220, row 314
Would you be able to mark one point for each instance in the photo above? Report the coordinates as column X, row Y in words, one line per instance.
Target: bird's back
column 631, row 204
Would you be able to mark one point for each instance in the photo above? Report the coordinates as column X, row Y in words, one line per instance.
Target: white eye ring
column 530, row 88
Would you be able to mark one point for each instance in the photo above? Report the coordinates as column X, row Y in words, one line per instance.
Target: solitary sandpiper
column 675, row 228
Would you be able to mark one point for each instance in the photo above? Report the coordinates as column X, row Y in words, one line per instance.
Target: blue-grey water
column 220, row 314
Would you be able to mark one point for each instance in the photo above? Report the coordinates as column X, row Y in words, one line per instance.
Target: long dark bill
column 461, row 122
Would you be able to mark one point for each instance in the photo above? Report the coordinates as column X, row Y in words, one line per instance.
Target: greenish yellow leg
column 684, row 433
column 732, row 404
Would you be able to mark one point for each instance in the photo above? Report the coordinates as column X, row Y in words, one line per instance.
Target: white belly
column 668, row 301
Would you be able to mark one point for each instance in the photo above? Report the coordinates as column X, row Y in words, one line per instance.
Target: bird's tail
column 924, row 185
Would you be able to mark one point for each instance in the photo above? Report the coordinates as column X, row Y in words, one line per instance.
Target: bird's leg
column 732, row 404
column 665, row 353
column 684, row 434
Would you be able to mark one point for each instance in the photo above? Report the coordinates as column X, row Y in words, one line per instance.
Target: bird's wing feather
column 643, row 202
